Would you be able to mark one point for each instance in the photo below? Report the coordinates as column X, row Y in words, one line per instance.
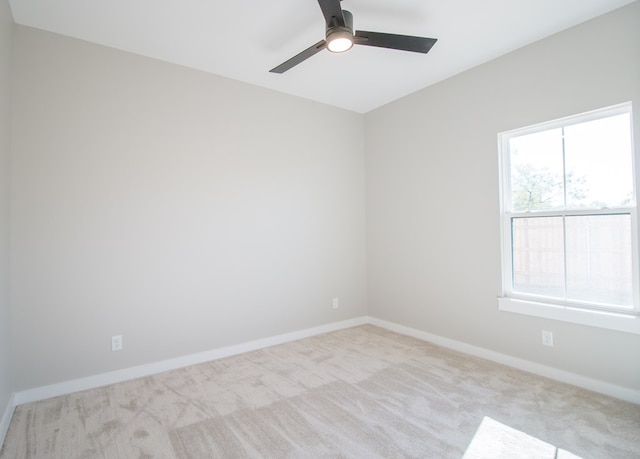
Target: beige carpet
column 361, row 392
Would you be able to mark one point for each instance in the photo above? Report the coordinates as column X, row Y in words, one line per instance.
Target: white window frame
column 626, row 320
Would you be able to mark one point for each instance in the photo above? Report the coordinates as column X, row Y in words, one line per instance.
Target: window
column 569, row 220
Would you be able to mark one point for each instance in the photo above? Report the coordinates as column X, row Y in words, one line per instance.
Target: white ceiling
column 243, row 40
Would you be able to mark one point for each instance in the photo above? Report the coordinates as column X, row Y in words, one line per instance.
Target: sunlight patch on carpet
column 494, row 440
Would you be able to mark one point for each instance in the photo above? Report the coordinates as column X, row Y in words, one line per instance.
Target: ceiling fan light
column 339, row 41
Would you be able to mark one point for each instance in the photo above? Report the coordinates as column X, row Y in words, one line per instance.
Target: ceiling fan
column 339, row 37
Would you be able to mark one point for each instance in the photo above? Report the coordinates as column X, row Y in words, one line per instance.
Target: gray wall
column 179, row 209
column 189, row 212
column 6, row 368
column 433, row 204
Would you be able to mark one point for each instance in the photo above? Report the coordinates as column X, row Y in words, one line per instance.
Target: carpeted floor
column 361, row 392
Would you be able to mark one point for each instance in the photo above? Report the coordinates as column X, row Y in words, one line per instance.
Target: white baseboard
column 6, row 418
column 623, row 393
column 104, row 379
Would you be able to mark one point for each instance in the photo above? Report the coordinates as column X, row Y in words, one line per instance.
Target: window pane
column 538, row 256
column 537, row 171
column 599, row 259
column 569, row 199
column 598, row 162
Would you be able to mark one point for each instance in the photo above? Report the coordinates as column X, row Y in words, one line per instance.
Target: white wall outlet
column 336, row 303
column 547, row 338
column 116, row 343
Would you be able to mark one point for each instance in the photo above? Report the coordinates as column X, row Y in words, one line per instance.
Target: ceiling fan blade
column 304, row 55
column 331, row 9
column 388, row 40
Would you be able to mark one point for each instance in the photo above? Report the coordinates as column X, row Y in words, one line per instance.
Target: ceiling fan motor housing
column 335, row 31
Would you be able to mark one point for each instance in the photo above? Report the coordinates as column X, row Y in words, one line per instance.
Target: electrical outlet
column 116, row 343
column 547, row 338
column 336, row 303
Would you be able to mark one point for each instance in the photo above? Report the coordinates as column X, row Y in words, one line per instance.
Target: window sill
column 628, row 323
